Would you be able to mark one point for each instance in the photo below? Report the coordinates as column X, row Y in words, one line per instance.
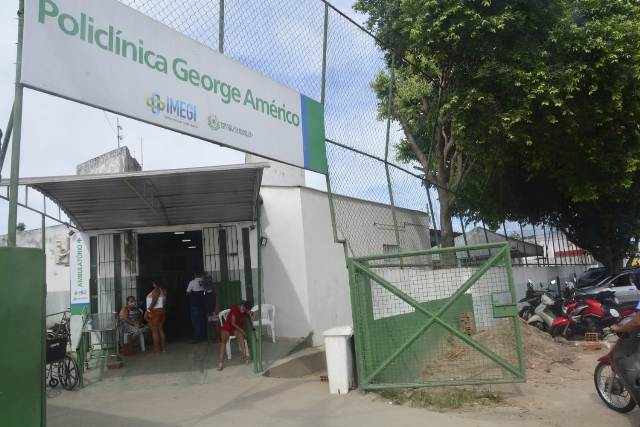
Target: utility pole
column 120, row 136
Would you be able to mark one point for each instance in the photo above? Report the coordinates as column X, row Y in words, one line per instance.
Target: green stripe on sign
column 80, row 308
column 315, row 153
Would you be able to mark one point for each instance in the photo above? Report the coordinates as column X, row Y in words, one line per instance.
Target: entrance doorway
column 170, row 259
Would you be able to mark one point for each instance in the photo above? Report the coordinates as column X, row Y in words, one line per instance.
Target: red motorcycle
column 617, row 374
column 588, row 313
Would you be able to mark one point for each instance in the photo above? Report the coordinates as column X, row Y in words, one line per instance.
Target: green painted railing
column 418, row 342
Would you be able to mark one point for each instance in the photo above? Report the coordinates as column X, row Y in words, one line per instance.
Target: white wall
column 305, row 273
column 278, row 174
column 283, row 260
column 327, row 275
column 543, row 274
column 57, row 274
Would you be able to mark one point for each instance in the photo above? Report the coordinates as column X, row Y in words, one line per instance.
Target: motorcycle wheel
column 525, row 313
column 611, row 390
column 559, row 331
column 540, row 325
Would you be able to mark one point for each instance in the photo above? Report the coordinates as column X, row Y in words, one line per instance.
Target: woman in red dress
column 234, row 326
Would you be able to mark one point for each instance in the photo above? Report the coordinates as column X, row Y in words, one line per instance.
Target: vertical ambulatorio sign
column 107, row 55
column 79, row 266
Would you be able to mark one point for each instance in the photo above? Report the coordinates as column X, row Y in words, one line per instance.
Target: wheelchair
column 61, row 367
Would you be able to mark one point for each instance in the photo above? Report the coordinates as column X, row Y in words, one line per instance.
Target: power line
column 108, row 121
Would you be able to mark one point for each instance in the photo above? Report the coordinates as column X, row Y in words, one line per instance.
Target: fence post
column 221, row 28
column 386, row 154
column 323, row 95
column 17, row 136
column 464, row 236
column 358, row 329
column 515, row 320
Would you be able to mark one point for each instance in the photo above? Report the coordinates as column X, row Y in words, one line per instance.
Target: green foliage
column 528, row 109
column 564, row 145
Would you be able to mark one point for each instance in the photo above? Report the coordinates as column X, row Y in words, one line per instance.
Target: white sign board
column 80, row 272
column 105, row 54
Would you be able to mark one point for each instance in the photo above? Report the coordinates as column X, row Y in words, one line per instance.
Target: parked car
column 592, row 277
column 625, row 284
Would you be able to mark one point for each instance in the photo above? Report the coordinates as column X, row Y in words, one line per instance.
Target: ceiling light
column 192, row 247
column 186, row 240
column 178, row 232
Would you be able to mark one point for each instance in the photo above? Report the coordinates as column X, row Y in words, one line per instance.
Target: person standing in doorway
column 195, row 292
column 155, row 315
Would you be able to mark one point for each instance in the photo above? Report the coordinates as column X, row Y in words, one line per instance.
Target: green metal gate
column 437, row 317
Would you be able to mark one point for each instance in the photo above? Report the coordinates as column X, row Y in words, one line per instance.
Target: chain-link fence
column 319, row 51
column 315, row 49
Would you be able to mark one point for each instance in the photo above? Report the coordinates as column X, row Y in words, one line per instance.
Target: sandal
column 220, row 366
column 246, row 360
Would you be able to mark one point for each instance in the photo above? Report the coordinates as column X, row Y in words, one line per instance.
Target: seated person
column 131, row 320
column 234, row 325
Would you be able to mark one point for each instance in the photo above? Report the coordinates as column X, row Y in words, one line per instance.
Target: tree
column 440, row 47
column 561, row 136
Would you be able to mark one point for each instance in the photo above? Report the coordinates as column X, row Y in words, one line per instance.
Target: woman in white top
column 155, row 315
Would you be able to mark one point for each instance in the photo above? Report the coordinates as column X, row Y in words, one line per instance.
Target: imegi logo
column 174, row 107
column 155, row 103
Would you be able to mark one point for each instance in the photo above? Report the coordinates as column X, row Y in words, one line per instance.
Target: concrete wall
column 305, row 274
column 327, row 275
column 543, row 274
column 115, row 161
column 368, row 226
column 57, row 244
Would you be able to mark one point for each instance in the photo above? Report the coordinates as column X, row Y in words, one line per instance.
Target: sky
column 58, row 134
column 281, row 39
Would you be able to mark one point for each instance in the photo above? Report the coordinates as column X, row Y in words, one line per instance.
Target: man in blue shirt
column 195, row 291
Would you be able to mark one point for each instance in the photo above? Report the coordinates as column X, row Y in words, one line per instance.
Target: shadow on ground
column 65, row 417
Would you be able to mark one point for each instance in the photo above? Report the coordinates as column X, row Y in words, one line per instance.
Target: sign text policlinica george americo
column 111, row 40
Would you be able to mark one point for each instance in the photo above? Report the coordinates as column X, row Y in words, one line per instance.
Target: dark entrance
column 171, row 259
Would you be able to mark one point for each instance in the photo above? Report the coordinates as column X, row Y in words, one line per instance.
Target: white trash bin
column 339, row 359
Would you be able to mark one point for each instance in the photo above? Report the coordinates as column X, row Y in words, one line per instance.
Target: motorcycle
column 530, row 301
column 587, row 313
column 617, row 374
column 544, row 314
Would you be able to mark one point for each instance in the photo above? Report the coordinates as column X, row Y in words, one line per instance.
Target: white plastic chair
column 268, row 315
column 222, row 316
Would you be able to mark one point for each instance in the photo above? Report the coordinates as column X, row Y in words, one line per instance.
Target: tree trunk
column 446, row 224
column 447, row 259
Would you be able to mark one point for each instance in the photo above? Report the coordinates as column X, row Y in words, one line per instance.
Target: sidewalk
column 233, row 397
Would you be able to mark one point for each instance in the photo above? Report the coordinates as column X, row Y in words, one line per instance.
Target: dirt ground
column 559, row 390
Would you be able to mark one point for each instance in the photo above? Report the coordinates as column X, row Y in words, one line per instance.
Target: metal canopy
column 156, row 198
